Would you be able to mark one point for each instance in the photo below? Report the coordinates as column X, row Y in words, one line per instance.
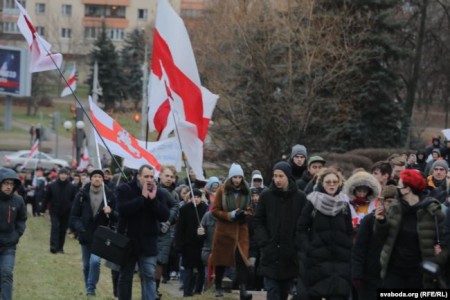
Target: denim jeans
column 91, row 269
column 7, row 258
column 147, row 266
column 277, row 289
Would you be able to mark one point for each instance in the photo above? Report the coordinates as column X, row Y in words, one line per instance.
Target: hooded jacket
column 13, row 213
column 60, row 195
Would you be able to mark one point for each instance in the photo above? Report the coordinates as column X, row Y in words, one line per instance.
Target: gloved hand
column 240, row 216
column 165, row 226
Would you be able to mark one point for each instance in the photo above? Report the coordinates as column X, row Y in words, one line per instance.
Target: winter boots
column 243, row 295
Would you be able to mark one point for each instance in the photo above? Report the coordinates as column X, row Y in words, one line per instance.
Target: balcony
column 108, row 2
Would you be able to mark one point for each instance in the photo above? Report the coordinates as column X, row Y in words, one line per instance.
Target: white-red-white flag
column 119, row 141
column 72, row 82
column 84, row 159
column 33, row 151
column 41, row 57
column 175, row 90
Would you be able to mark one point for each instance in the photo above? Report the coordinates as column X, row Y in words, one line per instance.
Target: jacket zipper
column 9, row 214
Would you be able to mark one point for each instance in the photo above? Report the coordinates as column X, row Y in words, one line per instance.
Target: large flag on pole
column 41, row 57
column 84, row 159
column 119, row 141
column 175, row 90
column 72, row 82
column 33, row 151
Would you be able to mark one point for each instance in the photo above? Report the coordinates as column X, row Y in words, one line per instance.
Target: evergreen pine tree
column 109, row 72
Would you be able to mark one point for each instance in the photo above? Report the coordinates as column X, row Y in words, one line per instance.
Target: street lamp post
column 78, row 136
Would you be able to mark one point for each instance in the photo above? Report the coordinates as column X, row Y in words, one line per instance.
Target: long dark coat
column 275, row 220
column 325, row 252
column 186, row 239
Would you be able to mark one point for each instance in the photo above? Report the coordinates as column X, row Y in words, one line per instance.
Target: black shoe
column 243, row 295
column 53, row 250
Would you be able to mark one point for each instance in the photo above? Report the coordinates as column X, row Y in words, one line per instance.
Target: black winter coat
column 366, row 253
column 60, row 195
column 186, row 239
column 82, row 219
column 13, row 216
column 325, row 252
column 275, row 222
column 139, row 217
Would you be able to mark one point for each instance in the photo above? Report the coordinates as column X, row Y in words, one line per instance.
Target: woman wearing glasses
column 325, row 240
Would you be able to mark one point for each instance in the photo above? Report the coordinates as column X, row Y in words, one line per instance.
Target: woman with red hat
column 411, row 231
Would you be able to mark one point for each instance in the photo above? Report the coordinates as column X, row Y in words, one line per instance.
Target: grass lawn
column 41, row 275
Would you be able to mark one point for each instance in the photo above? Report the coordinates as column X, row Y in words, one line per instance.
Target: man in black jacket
column 60, row 195
column 277, row 213
column 13, row 215
column 141, row 206
column 88, row 212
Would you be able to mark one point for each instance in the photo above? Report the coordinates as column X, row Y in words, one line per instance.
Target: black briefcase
column 110, row 245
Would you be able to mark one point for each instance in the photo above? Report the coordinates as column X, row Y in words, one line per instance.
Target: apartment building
column 71, row 26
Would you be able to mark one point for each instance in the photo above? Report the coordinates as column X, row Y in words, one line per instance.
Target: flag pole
column 83, row 109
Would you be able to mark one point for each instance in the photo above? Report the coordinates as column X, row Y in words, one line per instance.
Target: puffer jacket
column 13, row 213
column 428, row 214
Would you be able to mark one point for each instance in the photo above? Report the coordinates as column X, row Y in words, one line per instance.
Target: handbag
column 110, row 245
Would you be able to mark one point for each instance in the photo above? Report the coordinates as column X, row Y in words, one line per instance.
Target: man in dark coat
column 13, row 216
column 89, row 212
column 60, row 195
column 297, row 161
column 189, row 241
column 141, row 206
column 277, row 213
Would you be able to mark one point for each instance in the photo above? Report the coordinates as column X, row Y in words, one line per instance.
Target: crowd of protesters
column 308, row 232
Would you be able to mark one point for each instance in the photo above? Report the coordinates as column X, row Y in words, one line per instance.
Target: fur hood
column 362, row 179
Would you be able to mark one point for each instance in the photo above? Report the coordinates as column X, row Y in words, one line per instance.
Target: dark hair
column 145, row 167
column 383, row 166
column 228, row 187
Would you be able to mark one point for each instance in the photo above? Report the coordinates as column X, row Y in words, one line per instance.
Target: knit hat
column 97, row 171
column 316, row 158
column 440, row 163
column 298, row 150
column 63, row 171
column 437, row 151
column 256, row 191
column 285, row 167
column 235, row 170
column 211, row 181
column 414, row 180
column 107, row 170
column 389, row 191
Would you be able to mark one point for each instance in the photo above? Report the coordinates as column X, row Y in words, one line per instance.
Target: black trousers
column 242, row 272
column 60, row 223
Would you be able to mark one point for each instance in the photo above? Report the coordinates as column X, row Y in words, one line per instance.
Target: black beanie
column 285, row 167
column 197, row 192
column 97, row 171
column 63, row 171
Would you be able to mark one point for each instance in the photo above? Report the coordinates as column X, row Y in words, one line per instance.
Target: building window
column 40, row 30
column 90, row 32
column 142, row 14
column 10, row 27
column 40, row 8
column 66, row 10
column 108, row 11
column 66, row 33
column 12, row 4
column 115, row 34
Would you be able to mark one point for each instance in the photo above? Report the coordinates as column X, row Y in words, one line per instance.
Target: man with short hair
column 13, row 216
column 88, row 213
column 382, row 171
column 398, row 165
column 142, row 206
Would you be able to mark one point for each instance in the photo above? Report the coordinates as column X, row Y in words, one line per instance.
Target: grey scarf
column 326, row 204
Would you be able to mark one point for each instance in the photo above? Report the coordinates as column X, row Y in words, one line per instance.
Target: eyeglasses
column 331, row 182
column 11, row 184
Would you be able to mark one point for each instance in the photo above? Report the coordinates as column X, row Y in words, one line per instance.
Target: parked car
column 15, row 160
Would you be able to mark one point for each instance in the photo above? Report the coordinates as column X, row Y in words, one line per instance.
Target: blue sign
column 14, row 80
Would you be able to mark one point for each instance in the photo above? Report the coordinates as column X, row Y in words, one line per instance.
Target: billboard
column 14, row 76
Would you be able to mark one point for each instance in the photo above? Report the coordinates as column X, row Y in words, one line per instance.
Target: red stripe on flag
column 161, row 117
column 181, row 84
column 112, row 135
column 71, row 80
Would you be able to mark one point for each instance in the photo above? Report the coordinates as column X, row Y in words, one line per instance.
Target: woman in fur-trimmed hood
column 362, row 189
